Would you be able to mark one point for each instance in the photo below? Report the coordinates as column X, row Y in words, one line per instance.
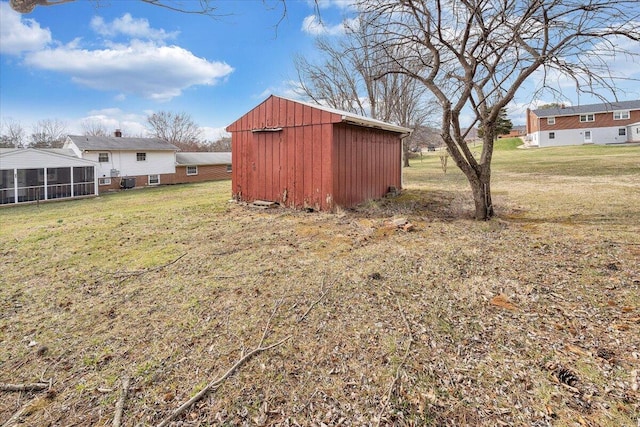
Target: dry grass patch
column 171, row 286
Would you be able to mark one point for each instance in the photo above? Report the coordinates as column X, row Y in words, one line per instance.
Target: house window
column 551, row 120
column 154, row 179
column 104, row 181
column 586, row 118
column 228, row 168
column 141, row 157
column 192, row 170
column 620, row 115
column 622, row 131
column 552, row 135
column 103, row 157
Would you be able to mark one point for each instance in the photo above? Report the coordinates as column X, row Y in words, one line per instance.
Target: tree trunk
column 481, row 189
column 405, row 154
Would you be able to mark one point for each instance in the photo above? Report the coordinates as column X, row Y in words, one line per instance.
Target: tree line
column 178, row 129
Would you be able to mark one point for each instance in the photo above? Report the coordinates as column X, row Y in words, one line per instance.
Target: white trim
column 192, row 173
column 620, row 113
column 150, row 179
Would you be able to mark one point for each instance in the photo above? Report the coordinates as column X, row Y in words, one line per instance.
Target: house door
column 587, row 137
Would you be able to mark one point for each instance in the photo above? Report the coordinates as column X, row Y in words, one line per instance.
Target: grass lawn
column 530, row 319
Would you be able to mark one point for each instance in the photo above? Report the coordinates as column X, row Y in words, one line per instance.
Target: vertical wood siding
column 366, row 163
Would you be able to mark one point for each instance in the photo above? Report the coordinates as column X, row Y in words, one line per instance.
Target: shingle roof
column 203, row 158
column 92, row 143
column 604, row 107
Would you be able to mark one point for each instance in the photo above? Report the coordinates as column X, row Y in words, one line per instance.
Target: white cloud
column 131, row 124
column 316, row 27
column 131, row 27
column 141, row 68
column 18, row 35
column 213, row 134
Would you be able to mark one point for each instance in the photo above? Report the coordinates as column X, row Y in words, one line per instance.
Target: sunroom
column 31, row 175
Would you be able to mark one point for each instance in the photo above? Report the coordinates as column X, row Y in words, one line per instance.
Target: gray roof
column 352, row 118
column 604, row 107
column 93, row 143
column 203, row 158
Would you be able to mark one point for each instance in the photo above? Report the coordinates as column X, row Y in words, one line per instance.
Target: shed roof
column 356, row 119
column 202, row 158
column 604, row 107
column 31, row 158
column 93, row 143
column 345, row 117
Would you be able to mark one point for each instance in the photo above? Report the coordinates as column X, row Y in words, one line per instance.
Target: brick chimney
column 118, row 133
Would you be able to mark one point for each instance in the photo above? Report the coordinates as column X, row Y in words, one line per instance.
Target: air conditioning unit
column 115, row 173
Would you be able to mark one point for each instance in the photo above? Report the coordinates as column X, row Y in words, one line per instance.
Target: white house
column 605, row 123
column 125, row 162
column 29, row 174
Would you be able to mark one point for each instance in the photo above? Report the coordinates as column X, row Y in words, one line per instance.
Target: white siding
column 633, row 132
column 126, row 163
column 608, row 135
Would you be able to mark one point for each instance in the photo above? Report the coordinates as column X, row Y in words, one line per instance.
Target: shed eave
column 376, row 125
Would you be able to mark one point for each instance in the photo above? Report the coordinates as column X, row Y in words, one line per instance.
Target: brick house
column 198, row 167
column 605, row 123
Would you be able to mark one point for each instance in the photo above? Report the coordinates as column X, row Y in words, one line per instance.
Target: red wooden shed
column 308, row 156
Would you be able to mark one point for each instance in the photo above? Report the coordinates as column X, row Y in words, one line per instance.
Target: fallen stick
column 323, row 294
column 124, row 275
column 25, row 387
column 117, row 419
column 216, row 383
column 16, row 416
column 404, row 359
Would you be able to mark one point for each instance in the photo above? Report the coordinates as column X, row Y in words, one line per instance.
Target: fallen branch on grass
column 16, row 416
column 404, row 359
column 313, row 304
column 124, row 275
column 25, row 387
column 117, row 419
column 216, row 383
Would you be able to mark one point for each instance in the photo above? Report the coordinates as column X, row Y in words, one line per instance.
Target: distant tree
column 48, row 134
column 221, row 145
column 12, row 135
column 94, row 128
column 178, row 129
column 550, row 106
column 502, row 126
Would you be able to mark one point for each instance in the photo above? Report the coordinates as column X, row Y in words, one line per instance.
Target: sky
column 114, row 62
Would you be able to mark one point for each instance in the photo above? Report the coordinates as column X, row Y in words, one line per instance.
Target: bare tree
column 474, row 55
column 48, row 134
column 178, row 129
column 352, row 76
column 94, row 128
column 202, row 7
column 221, row 145
column 13, row 134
